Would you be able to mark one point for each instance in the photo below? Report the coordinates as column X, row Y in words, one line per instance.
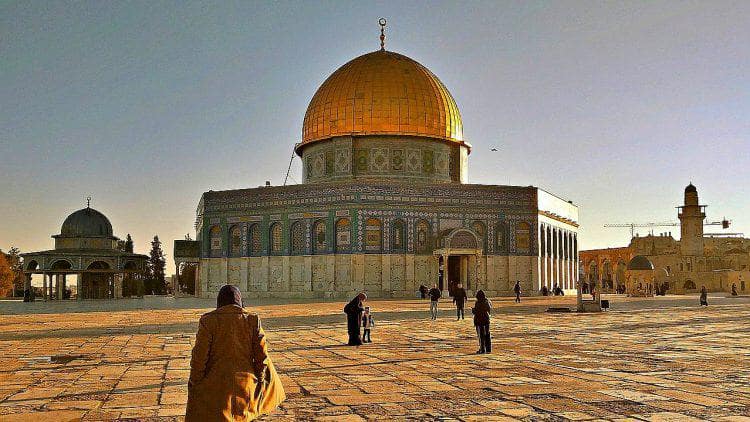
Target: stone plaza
column 651, row 359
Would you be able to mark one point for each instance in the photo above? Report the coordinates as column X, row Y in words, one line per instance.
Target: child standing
column 367, row 323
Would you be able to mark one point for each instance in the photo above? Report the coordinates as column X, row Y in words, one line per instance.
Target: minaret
column 691, row 217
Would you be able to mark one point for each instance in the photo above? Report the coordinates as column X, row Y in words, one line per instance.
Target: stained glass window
column 297, row 238
column 523, row 237
column 399, row 232
column 423, row 236
column 343, row 235
column 275, row 238
column 319, row 236
column 215, row 238
column 235, row 241
column 255, row 241
column 373, row 235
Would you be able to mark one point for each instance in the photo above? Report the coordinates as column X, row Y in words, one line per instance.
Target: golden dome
column 382, row 93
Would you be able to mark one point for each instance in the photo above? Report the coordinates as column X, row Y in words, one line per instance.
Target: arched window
column 274, row 239
column 593, row 272
column 254, row 240
column 423, row 236
column 214, row 236
column 373, row 235
column 235, row 241
column 479, row 229
column 297, row 238
column 523, row 237
column 343, row 235
column 319, row 237
column 501, row 237
column 399, row 235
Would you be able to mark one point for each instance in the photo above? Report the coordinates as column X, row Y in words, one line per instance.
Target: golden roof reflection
column 382, row 93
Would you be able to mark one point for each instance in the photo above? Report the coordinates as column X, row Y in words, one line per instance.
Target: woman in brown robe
column 231, row 376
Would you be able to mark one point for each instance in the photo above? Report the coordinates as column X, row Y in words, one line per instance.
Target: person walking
column 734, row 289
column 423, row 291
column 482, row 310
column 459, row 298
column 353, row 311
column 231, row 374
column 517, row 290
column 704, row 296
column 434, row 294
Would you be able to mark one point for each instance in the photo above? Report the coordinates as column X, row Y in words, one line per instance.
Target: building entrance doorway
column 458, row 273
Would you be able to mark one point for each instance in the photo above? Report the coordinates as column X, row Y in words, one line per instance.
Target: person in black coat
column 517, row 290
column 704, row 296
column 482, row 310
column 353, row 311
column 459, row 298
column 434, row 297
column 422, row 291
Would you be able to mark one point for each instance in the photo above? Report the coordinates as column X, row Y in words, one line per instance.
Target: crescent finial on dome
column 382, row 23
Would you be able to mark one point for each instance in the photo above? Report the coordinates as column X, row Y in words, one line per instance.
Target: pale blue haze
column 145, row 105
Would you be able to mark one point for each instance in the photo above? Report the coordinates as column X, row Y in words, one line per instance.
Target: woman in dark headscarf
column 231, row 375
column 482, row 310
column 353, row 311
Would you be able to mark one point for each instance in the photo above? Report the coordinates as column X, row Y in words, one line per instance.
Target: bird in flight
column 493, row 149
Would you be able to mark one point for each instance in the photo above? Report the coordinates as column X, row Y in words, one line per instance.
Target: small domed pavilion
column 87, row 249
column 640, row 277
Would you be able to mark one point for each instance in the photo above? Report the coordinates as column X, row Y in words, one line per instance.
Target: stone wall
column 341, row 276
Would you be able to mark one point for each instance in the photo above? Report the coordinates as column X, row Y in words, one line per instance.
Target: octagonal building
column 385, row 205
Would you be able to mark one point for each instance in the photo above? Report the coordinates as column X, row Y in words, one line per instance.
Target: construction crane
column 723, row 223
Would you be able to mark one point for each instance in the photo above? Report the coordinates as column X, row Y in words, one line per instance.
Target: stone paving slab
column 655, row 360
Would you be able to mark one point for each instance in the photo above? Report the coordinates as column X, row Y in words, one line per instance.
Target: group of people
column 232, row 376
column 359, row 316
column 556, row 290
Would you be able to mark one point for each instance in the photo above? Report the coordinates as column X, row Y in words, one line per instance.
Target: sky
column 144, row 106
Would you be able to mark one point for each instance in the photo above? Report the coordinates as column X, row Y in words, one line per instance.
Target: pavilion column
column 79, row 287
column 58, row 283
column 44, row 286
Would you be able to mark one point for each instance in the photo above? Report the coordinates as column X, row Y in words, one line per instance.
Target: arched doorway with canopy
column 459, row 258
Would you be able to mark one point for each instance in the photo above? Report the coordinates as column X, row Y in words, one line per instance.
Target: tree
column 14, row 260
column 6, row 276
column 129, row 244
column 125, row 245
column 155, row 282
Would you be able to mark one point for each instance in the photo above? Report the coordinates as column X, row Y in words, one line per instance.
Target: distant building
column 385, row 205
column 86, row 250
column 682, row 266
